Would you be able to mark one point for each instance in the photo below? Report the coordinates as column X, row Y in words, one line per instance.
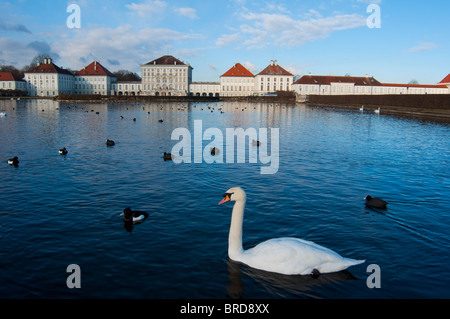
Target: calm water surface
column 59, row 210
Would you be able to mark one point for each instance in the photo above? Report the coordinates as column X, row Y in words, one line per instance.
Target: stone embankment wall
column 435, row 105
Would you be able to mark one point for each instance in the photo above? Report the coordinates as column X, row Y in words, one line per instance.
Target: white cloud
column 295, row 69
column 129, row 46
column 15, row 52
column 370, row 1
column 250, row 66
column 147, row 8
column 211, row 67
column 424, row 46
column 281, row 29
column 187, row 12
column 227, row 39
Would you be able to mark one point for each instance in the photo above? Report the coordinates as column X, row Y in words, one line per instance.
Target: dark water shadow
column 279, row 285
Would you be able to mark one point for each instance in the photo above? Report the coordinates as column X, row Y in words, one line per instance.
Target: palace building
column 94, row 79
column 351, row 85
column 9, row 82
column 237, row 81
column 273, row 78
column 48, row 79
column 168, row 76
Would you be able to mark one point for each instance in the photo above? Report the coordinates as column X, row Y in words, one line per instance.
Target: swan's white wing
column 294, row 256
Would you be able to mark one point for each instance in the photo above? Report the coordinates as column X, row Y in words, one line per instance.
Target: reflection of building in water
column 44, row 106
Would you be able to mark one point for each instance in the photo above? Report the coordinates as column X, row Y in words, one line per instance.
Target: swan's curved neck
column 235, row 236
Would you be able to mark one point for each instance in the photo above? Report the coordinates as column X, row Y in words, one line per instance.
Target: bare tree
column 18, row 74
column 125, row 75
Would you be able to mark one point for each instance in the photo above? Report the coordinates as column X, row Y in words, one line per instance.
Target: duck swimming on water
column 63, row 151
column 130, row 216
column 167, row 156
column 375, row 202
column 14, row 161
column 110, row 143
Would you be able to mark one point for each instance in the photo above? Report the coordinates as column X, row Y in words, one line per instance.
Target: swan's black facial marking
column 226, row 198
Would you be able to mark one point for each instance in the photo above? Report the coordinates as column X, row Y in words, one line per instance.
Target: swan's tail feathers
column 336, row 266
column 353, row 262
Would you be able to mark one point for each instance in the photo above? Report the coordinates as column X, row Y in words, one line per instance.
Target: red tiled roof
column 49, row 68
column 328, row 79
column 238, row 70
column 95, row 68
column 166, row 60
column 415, row 85
column 7, row 76
column 446, row 79
column 274, row 69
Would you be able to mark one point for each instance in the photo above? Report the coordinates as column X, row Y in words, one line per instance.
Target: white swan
column 289, row 256
column 377, row 111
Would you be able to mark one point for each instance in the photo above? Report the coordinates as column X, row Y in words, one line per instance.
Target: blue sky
column 321, row 37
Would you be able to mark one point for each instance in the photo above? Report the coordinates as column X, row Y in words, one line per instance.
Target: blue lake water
column 60, row 210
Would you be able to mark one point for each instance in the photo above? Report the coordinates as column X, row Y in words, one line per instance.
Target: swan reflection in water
column 279, row 284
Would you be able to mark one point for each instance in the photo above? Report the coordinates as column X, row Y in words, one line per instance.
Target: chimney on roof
column 309, row 73
column 95, row 65
column 276, row 63
column 367, row 75
column 271, row 62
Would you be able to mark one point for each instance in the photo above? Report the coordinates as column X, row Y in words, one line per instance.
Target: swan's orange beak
column 226, row 198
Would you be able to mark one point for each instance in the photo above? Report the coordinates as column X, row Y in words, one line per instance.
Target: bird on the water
column 167, row 156
column 14, row 161
column 130, row 216
column 375, row 202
